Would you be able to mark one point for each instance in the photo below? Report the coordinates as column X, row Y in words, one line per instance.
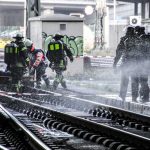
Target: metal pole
column 143, row 10
column 135, row 8
column 95, row 42
column 149, row 10
column 114, row 10
column 28, row 15
column 25, row 17
column 37, row 8
column 106, row 28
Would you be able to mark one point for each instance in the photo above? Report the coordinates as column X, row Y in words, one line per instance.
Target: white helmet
column 28, row 43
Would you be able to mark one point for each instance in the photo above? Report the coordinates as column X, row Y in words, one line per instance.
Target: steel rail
column 39, row 145
column 3, row 148
column 115, row 110
column 134, row 139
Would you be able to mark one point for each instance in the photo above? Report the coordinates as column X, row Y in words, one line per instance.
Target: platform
column 112, row 99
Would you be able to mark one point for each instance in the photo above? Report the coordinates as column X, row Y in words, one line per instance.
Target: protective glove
column 71, row 59
column 50, row 65
column 32, row 71
column 26, row 71
column 7, row 68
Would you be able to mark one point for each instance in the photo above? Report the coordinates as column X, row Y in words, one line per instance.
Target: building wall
column 11, row 17
column 116, row 33
column 122, row 11
column 72, row 28
column 73, row 69
column 117, row 27
column 36, row 33
column 73, row 35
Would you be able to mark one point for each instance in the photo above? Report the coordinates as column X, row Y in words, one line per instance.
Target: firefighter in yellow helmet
column 56, row 54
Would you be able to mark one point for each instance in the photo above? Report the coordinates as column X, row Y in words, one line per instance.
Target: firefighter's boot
column 47, row 82
column 55, row 85
column 38, row 84
column 63, row 84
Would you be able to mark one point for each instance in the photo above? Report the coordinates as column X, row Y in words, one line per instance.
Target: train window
column 62, row 27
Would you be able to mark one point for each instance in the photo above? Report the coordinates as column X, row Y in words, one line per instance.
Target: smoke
column 88, row 38
column 107, row 81
column 136, row 67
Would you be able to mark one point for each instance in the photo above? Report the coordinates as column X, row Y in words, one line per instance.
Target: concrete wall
column 36, row 33
column 50, row 28
column 76, row 67
column 11, row 17
column 73, row 69
column 114, row 37
column 122, row 11
column 72, row 28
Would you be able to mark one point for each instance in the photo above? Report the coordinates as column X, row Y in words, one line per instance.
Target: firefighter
column 37, row 63
column 17, row 60
column 140, row 80
column 121, row 52
column 56, row 54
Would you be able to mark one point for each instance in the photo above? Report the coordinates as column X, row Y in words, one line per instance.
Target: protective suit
column 140, row 78
column 56, row 54
column 121, row 52
column 38, row 63
column 17, row 60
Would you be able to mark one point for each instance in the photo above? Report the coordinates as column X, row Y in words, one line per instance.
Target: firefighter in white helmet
column 37, row 63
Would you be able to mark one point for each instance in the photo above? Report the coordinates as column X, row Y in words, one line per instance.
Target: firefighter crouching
column 56, row 54
column 17, row 60
column 37, row 63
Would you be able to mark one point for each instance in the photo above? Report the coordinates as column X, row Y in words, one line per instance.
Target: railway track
column 14, row 136
column 53, row 138
column 105, row 126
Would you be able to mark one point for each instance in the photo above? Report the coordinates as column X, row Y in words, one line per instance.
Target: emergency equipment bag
column 11, row 53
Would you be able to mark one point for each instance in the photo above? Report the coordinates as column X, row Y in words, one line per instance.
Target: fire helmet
column 58, row 36
column 28, row 43
column 18, row 36
column 130, row 30
column 139, row 30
